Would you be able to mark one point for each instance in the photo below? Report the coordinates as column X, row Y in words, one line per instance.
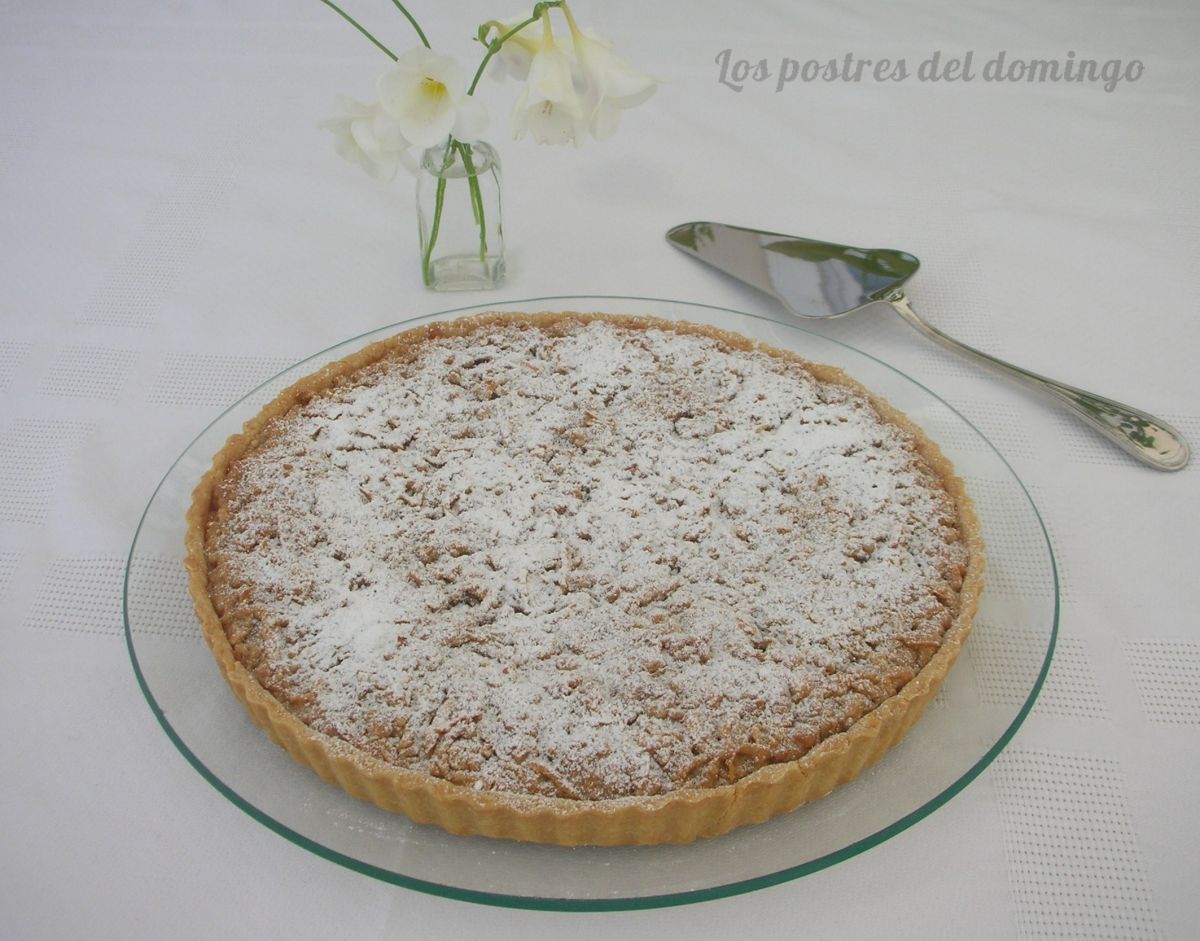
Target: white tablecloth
column 177, row 229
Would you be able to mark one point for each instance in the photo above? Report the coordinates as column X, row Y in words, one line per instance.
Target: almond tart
column 583, row 578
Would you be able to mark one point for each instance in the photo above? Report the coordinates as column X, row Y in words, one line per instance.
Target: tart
column 583, row 579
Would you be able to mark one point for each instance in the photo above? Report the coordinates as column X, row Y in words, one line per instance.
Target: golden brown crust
column 676, row 817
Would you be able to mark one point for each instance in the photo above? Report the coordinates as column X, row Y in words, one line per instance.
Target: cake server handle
column 1149, row 439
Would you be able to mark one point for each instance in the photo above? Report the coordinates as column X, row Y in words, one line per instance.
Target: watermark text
column 736, row 72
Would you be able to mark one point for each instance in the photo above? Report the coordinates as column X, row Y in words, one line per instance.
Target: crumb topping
column 583, row 560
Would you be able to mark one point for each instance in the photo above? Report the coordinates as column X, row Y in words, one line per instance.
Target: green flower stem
column 438, row 204
column 476, row 197
column 386, row 51
column 349, row 19
column 427, row 258
column 408, row 16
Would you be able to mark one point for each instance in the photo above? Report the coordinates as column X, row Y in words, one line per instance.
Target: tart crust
column 677, row 816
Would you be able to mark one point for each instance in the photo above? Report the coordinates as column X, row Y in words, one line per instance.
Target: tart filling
column 558, row 565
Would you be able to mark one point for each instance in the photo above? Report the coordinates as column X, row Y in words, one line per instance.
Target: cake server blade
column 824, row 279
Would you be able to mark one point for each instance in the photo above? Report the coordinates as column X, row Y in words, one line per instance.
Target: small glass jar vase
column 458, row 209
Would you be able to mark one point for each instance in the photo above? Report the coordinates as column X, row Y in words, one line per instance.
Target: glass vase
column 458, row 209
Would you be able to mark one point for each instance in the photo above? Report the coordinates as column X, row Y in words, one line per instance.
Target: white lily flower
column 549, row 108
column 426, row 95
column 610, row 84
column 364, row 134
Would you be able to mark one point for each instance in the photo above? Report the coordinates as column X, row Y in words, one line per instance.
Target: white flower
column 570, row 89
column 365, row 135
column 426, row 95
column 609, row 84
column 549, row 108
column 516, row 54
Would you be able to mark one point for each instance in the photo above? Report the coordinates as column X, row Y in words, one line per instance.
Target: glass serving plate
column 982, row 703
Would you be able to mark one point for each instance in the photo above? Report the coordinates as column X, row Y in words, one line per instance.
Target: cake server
column 821, row 279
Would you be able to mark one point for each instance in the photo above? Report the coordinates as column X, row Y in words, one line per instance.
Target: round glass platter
column 982, row 703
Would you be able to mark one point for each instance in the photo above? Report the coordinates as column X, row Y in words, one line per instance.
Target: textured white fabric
column 177, row 229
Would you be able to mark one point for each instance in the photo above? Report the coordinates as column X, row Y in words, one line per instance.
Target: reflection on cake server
column 821, row 279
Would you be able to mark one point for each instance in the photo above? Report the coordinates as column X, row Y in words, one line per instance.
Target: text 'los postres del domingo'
column 736, row 73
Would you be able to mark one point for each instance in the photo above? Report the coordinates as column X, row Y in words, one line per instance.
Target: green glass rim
column 597, row 904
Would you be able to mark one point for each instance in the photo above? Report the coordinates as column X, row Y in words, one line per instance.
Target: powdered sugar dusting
column 589, row 561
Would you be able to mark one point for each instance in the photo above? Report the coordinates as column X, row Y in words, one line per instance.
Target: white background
column 177, row 229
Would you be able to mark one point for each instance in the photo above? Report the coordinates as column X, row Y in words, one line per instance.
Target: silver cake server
column 822, row 279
